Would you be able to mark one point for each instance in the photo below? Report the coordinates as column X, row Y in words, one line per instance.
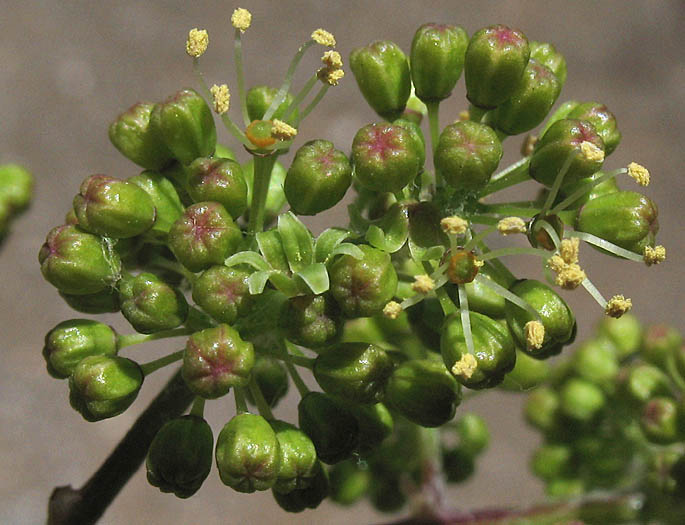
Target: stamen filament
column 557, row 182
column 606, row 245
column 585, row 189
column 466, row 319
column 479, row 237
column 315, row 101
column 301, row 95
column 514, row 250
column 594, row 292
column 509, row 296
column 283, row 91
column 238, row 59
column 551, row 232
column 509, row 176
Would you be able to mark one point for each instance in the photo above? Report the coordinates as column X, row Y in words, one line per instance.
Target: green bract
column 71, row 341
column 248, row 454
column 318, row 178
column 219, row 180
column 104, row 386
column 467, row 155
column 215, row 360
column 437, row 58
column 180, row 456
column 150, row 304
column 382, row 74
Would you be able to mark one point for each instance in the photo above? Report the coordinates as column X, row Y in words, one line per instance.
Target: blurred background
column 68, row 68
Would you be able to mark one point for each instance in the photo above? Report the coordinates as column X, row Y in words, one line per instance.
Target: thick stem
column 260, row 190
column 86, row 505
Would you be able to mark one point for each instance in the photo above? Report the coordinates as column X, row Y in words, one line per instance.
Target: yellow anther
column 332, row 59
column 528, row 145
column 282, row 131
column 511, row 225
column 569, row 250
column 222, row 98
column 654, row 255
column 464, row 114
column 323, row 37
column 454, row 225
column 556, row 264
column 330, row 76
column 198, row 40
column 392, row 310
column 639, row 173
column 423, row 284
column 465, row 367
column 241, row 19
column 617, row 306
column 591, row 151
column 570, row 277
column 535, row 334
column 478, row 263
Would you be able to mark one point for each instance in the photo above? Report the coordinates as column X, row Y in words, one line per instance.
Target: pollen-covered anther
column 282, row 131
column 330, row 76
column 528, row 145
column 332, row 59
column 570, row 277
column 423, row 284
column 569, row 250
column 323, row 37
column 654, row 255
column 535, row 334
column 465, row 367
column 392, row 310
column 591, row 152
column 638, row 173
column 464, row 115
column 556, row 264
column 198, row 40
column 222, row 98
column 454, row 225
column 241, row 19
column 511, row 225
column 617, row 306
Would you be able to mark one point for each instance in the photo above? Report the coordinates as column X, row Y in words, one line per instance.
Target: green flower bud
column 218, row 180
column 150, row 304
column 113, row 208
column 71, row 341
column 659, row 420
column 275, row 198
column 382, row 74
column 306, row 498
column 331, row 427
column 468, row 153
column 102, row 302
column 458, row 464
column 132, row 134
column 185, row 123
column 204, row 235
column 596, row 361
column 168, row 206
column 559, row 141
column 375, row 425
column 527, row 374
column 298, row 458
column 660, row 343
column 538, row 236
column 271, row 378
column 386, row 495
column 349, row 482
column 474, row 435
column 644, row 382
column 624, row 333
column 604, row 457
column 386, row 157
column 547, row 55
column 495, row 352
column 318, row 178
column 362, row 287
column 354, row 371
column 180, row 456
column 248, row 454
column 483, row 299
column 215, row 360
column 258, row 100
column 437, row 58
column 424, row 392
column 223, row 293
column 542, row 408
column 602, row 120
column 552, row 461
column 16, row 187
column 530, row 103
column 493, row 67
column 78, row 263
column 624, row 218
column 557, row 318
column 104, row 386
column 580, row 399
column 659, row 475
column 312, row 321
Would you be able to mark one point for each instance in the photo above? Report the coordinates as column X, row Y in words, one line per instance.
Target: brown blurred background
column 67, row 68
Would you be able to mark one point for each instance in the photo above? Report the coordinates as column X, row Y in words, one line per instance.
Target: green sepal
column 392, row 231
column 327, row 241
column 315, row 277
column 271, row 247
column 249, row 258
column 298, row 244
